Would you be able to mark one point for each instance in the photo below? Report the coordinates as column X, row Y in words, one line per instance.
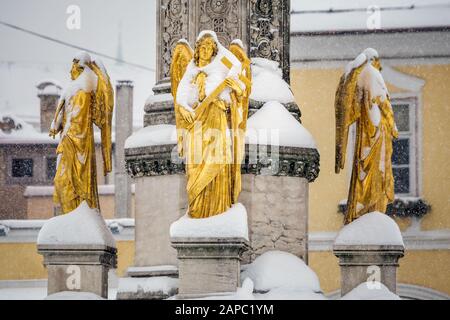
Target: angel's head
column 206, row 49
column 79, row 62
column 76, row 70
column 373, row 58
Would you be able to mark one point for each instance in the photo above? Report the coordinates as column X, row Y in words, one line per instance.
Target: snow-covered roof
column 25, row 133
column 347, row 15
column 19, row 95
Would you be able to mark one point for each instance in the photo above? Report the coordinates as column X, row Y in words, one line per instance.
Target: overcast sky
column 101, row 21
column 27, row 59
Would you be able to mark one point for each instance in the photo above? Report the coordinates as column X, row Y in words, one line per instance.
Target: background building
column 414, row 45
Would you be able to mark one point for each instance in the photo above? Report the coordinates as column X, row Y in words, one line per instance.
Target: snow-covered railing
column 47, row 191
column 401, row 207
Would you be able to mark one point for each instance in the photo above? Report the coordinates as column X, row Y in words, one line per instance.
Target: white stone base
column 209, row 265
column 78, row 268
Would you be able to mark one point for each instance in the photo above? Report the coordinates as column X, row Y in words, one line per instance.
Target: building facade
column 416, row 68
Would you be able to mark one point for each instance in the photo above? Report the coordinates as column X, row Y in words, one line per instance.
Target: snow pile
column 231, row 224
column 268, row 83
column 276, row 275
column 162, row 285
column 371, row 291
column 72, row 295
column 245, row 292
column 286, row 293
column 274, row 125
column 374, row 228
column 277, row 269
column 153, row 136
column 83, row 226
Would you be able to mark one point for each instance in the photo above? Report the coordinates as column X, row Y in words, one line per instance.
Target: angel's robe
column 76, row 179
column 213, row 153
column 372, row 181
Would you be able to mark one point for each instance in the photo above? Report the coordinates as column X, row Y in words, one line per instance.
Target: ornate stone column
column 262, row 25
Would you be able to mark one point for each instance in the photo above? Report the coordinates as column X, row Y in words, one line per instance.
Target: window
column 22, row 168
column 404, row 156
column 51, row 168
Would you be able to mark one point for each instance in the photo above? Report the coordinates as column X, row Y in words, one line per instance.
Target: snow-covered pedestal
column 369, row 250
column 209, row 252
column 78, row 250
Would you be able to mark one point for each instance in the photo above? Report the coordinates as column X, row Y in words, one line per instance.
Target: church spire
column 119, row 54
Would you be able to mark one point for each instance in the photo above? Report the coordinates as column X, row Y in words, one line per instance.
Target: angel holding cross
column 211, row 87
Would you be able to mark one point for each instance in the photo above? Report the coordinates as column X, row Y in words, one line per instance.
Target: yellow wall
column 41, row 207
column 314, row 90
column 421, row 268
column 20, row 261
column 426, row 268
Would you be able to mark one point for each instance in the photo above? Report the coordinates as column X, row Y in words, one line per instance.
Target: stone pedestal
column 278, row 214
column 80, row 268
column 367, row 263
column 155, row 212
column 208, row 265
column 368, row 250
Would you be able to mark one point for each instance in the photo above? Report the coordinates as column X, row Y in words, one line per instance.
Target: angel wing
column 245, row 77
column 347, row 112
column 103, row 112
column 181, row 57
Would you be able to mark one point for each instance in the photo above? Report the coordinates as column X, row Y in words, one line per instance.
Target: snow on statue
column 211, row 87
column 362, row 98
column 88, row 100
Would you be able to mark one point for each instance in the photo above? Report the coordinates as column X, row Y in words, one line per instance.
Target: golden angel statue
column 363, row 99
column 88, row 100
column 211, row 86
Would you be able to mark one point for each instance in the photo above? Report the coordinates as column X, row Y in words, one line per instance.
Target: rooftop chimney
column 49, row 92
